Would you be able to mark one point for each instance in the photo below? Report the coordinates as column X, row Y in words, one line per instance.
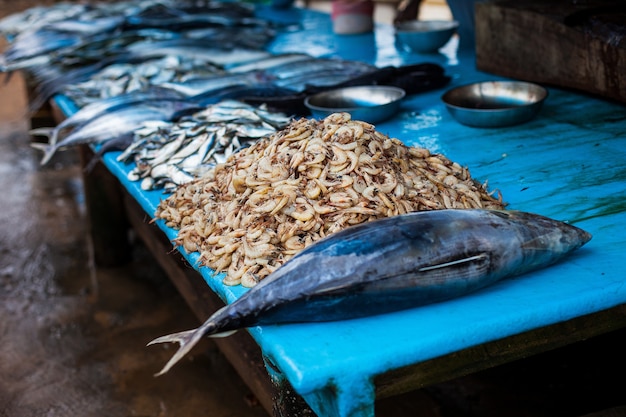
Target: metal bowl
column 495, row 103
column 425, row 35
column 372, row 103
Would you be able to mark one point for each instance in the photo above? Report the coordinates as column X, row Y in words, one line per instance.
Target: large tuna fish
column 392, row 264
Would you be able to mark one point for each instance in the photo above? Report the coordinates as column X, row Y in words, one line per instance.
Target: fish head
column 544, row 240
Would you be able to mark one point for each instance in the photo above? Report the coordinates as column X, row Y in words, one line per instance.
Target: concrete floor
column 72, row 337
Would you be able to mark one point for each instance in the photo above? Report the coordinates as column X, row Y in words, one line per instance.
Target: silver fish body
column 111, row 125
column 200, row 85
column 270, row 62
column 98, row 108
column 196, row 143
column 198, row 49
column 391, row 264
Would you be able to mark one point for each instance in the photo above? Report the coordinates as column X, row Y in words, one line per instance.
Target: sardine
column 38, row 16
column 306, row 66
column 392, row 264
column 86, row 26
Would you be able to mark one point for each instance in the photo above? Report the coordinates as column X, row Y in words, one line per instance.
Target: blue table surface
column 569, row 163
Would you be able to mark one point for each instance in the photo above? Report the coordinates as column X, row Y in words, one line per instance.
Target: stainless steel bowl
column 495, row 103
column 372, row 103
column 425, row 35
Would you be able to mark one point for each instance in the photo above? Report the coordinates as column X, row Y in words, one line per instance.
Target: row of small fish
column 124, row 78
column 65, row 51
column 67, row 28
column 178, row 83
column 167, row 154
column 193, row 77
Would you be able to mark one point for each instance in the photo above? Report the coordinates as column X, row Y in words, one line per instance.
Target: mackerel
column 111, row 125
column 100, row 107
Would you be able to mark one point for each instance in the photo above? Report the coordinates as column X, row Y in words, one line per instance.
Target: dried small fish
column 267, row 202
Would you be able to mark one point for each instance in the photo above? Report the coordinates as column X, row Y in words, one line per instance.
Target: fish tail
column 48, row 151
column 42, row 131
column 187, row 340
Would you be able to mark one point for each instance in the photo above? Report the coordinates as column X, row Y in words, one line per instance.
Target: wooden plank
column 108, row 225
column 537, row 41
column 499, row 352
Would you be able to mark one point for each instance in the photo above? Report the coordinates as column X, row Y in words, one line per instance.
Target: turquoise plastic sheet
column 569, row 163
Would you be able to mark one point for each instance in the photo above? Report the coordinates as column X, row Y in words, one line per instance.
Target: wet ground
column 72, row 337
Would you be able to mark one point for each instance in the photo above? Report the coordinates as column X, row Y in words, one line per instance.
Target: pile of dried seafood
column 251, row 214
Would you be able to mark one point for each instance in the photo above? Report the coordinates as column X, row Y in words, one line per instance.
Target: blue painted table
column 569, row 163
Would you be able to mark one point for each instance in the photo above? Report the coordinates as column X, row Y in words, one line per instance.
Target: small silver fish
column 392, row 264
column 196, row 143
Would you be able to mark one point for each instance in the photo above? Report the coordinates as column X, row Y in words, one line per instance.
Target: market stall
column 566, row 163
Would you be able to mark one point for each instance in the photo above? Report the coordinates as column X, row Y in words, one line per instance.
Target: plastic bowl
column 425, row 35
column 495, row 103
column 372, row 103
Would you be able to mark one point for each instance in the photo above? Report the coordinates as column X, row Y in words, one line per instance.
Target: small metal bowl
column 495, row 103
column 425, row 35
column 371, row 103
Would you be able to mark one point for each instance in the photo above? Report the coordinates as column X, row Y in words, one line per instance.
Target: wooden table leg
column 109, row 227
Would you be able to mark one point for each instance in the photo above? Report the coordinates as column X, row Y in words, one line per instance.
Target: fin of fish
column 42, row 131
column 480, row 258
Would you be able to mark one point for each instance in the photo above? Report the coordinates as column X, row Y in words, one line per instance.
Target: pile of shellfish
column 249, row 215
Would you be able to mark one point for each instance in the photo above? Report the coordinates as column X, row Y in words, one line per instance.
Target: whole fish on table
column 116, row 123
column 391, row 264
column 97, row 108
column 128, row 77
column 270, row 62
column 38, row 46
column 304, row 66
column 207, row 84
column 197, row 48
